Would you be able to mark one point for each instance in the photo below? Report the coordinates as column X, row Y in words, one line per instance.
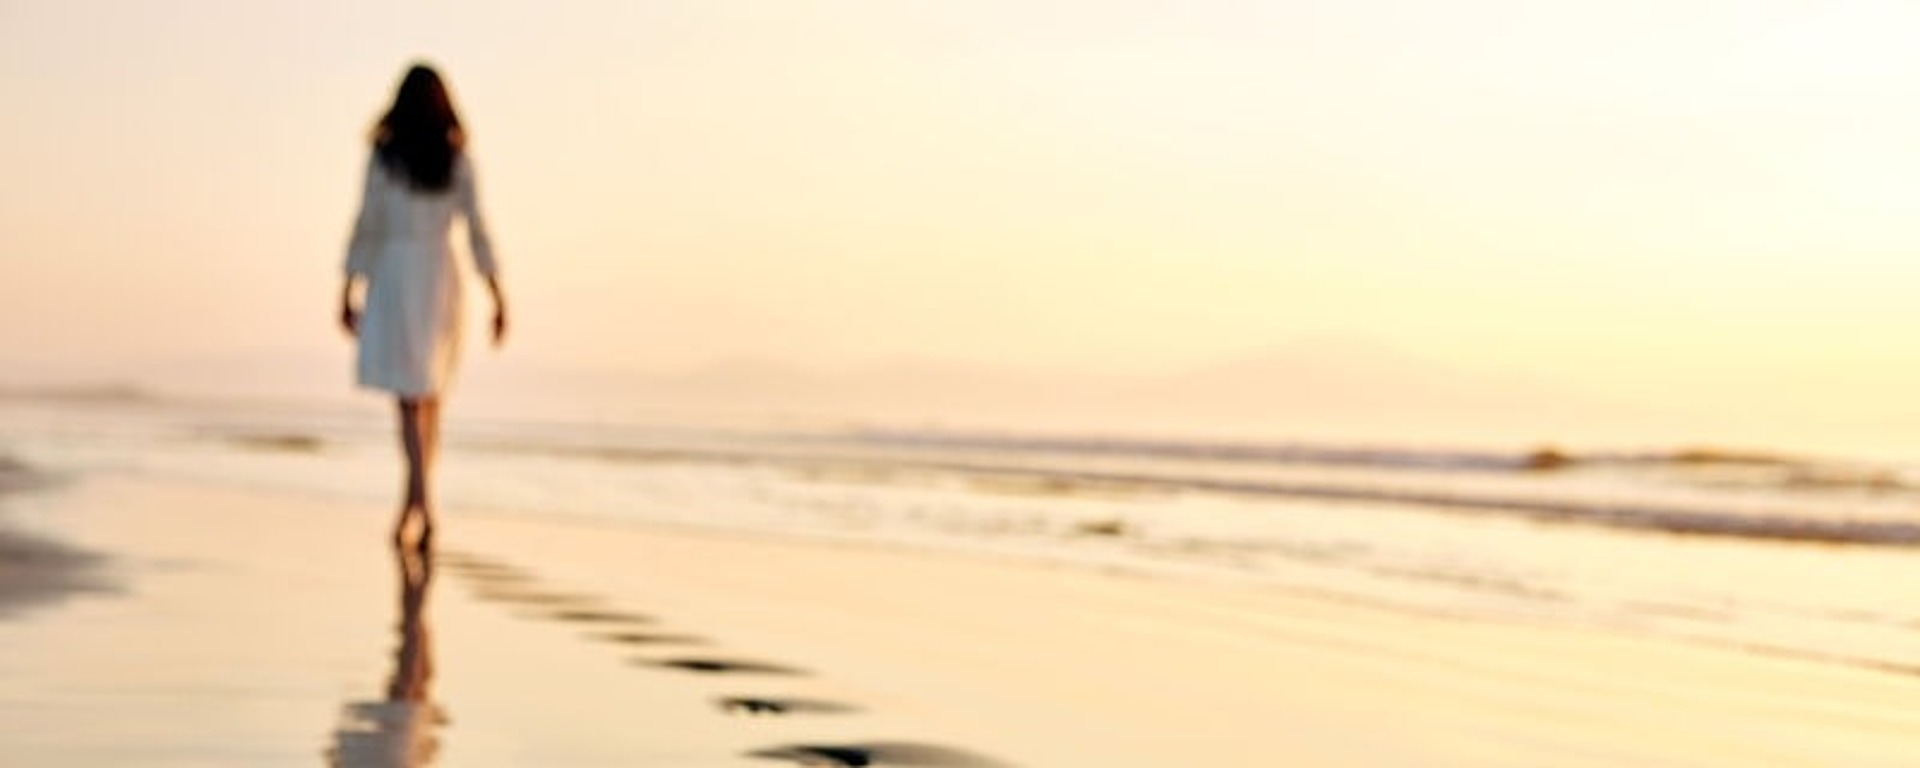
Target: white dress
column 410, row 320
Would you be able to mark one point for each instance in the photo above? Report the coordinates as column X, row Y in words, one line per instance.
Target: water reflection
column 401, row 729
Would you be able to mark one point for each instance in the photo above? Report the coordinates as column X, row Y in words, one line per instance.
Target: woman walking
column 401, row 297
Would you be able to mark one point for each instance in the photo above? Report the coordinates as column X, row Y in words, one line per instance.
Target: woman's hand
column 499, row 310
column 349, row 316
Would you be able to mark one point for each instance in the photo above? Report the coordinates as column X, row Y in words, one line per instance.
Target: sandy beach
column 265, row 628
column 1039, row 384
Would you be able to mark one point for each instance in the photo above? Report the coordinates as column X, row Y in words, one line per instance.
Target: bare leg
column 429, row 415
column 430, row 428
column 413, row 445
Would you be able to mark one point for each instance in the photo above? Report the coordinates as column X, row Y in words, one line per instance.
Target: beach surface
column 260, row 627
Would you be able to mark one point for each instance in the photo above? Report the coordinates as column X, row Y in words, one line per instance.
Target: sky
column 1706, row 207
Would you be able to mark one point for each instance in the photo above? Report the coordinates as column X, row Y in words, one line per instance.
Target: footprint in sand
column 756, row 707
column 474, row 567
column 725, row 666
column 501, row 582
column 492, row 576
column 533, row 597
column 592, row 616
column 885, row 753
column 649, row 638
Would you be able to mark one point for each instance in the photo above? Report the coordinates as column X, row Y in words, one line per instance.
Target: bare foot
column 425, row 541
column 400, row 528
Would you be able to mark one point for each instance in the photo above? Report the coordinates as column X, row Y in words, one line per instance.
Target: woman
column 401, row 264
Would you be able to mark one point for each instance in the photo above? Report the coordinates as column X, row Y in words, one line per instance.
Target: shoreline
column 1801, row 598
column 535, row 641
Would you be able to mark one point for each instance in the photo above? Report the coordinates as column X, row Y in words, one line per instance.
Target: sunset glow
column 1701, row 208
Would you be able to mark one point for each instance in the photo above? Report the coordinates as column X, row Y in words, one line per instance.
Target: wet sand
column 39, row 572
column 255, row 628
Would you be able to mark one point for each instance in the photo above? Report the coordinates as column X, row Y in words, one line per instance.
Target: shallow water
column 1771, row 553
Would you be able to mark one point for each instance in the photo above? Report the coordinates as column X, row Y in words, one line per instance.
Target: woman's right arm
column 362, row 248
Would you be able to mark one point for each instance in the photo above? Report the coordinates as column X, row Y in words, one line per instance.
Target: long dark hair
column 420, row 135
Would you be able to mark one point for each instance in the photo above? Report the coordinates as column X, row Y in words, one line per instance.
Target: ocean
column 1769, row 552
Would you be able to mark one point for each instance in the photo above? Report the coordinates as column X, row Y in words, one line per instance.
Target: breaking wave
column 1691, row 491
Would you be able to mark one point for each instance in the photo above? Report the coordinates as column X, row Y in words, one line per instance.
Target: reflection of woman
column 413, row 660
column 398, row 730
column 408, row 318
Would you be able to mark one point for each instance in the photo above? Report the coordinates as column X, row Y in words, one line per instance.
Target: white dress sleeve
column 370, row 226
column 478, row 241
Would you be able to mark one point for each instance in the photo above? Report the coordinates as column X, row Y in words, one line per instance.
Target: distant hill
column 1320, row 388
